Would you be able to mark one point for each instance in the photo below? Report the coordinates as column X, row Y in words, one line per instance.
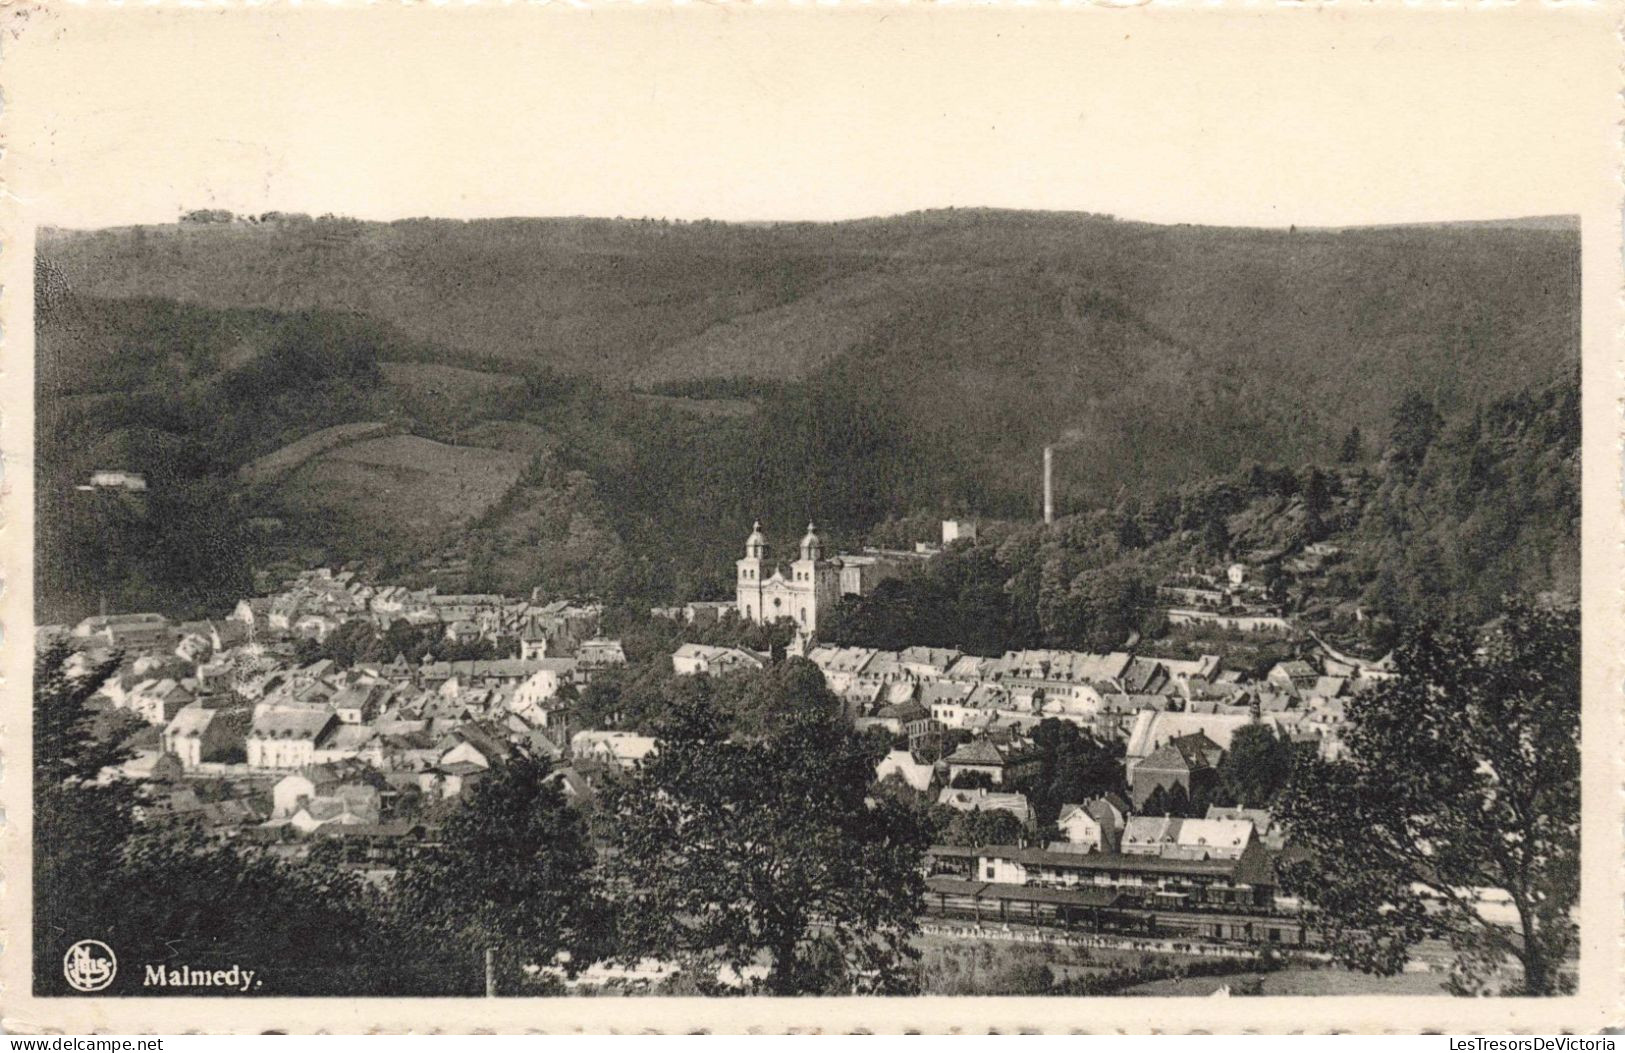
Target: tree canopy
column 1461, row 774
column 731, row 850
column 511, row 870
column 1257, row 765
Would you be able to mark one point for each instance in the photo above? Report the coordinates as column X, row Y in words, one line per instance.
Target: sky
column 728, row 111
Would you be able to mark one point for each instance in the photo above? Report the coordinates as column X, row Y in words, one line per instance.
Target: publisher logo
column 89, row 965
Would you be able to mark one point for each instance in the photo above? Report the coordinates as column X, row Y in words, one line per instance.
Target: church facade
column 768, row 592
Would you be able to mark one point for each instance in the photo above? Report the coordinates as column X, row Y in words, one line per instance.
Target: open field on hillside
column 409, row 481
column 286, row 459
column 512, row 435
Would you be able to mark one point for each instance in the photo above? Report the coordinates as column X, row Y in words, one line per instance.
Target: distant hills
column 893, row 364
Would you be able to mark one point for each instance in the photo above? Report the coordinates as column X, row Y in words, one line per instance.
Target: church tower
column 749, row 575
column 817, row 582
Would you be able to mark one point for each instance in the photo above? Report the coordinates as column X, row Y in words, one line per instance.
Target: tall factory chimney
column 1049, row 484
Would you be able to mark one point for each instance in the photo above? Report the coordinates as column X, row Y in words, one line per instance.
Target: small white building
column 197, row 734
column 901, row 763
column 157, row 701
column 611, row 747
column 694, row 659
column 1094, row 826
column 543, row 684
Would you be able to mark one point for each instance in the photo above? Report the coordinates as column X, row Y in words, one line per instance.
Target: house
column 157, row 701
column 313, row 625
column 485, row 672
column 287, row 737
column 901, row 763
column 1267, row 830
column 928, row 661
column 894, row 716
column 705, row 612
column 1188, row 763
column 195, row 642
column 611, row 747
column 840, row 665
column 359, row 703
column 985, row 800
column 1154, row 728
column 542, row 685
column 1094, row 826
column 196, row 734
column 462, row 631
column 599, row 653
column 577, row 790
column 533, row 642
column 1176, row 838
column 1001, row 764
column 1296, row 675
column 352, row 806
column 253, row 614
column 478, row 744
column 138, row 633
column 347, row 741
column 133, row 482
column 319, row 780
column 694, row 659
column 225, row 634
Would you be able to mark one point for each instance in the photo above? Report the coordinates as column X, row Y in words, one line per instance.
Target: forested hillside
column 1168, row 352
column 1449, row 519
column 662, row 385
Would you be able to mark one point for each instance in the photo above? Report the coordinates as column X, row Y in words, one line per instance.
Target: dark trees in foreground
column 735, row 852
column 511, row 871
column 1462, row 774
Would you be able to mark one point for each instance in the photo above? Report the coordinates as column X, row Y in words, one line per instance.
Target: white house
column 611, row 747
column 902, row 763
column 197, row 734
column 157, row 701
column 282, row 738
column 544, row 683
column 1172, row 838
column 1095, row 826
column 694, row 659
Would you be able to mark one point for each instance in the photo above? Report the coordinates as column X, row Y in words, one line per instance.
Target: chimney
column 1049, row 484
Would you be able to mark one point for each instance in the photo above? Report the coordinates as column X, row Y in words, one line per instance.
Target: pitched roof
column 1151, row 729
column 978, row 751
column 301, row 723
column 938, row 658
column 1186, row 753
column 191, row 720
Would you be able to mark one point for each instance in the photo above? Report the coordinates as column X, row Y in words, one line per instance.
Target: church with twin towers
column 812, row 584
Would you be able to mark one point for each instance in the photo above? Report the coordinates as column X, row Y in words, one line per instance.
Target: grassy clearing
column 286, row 459
column 410, row 481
